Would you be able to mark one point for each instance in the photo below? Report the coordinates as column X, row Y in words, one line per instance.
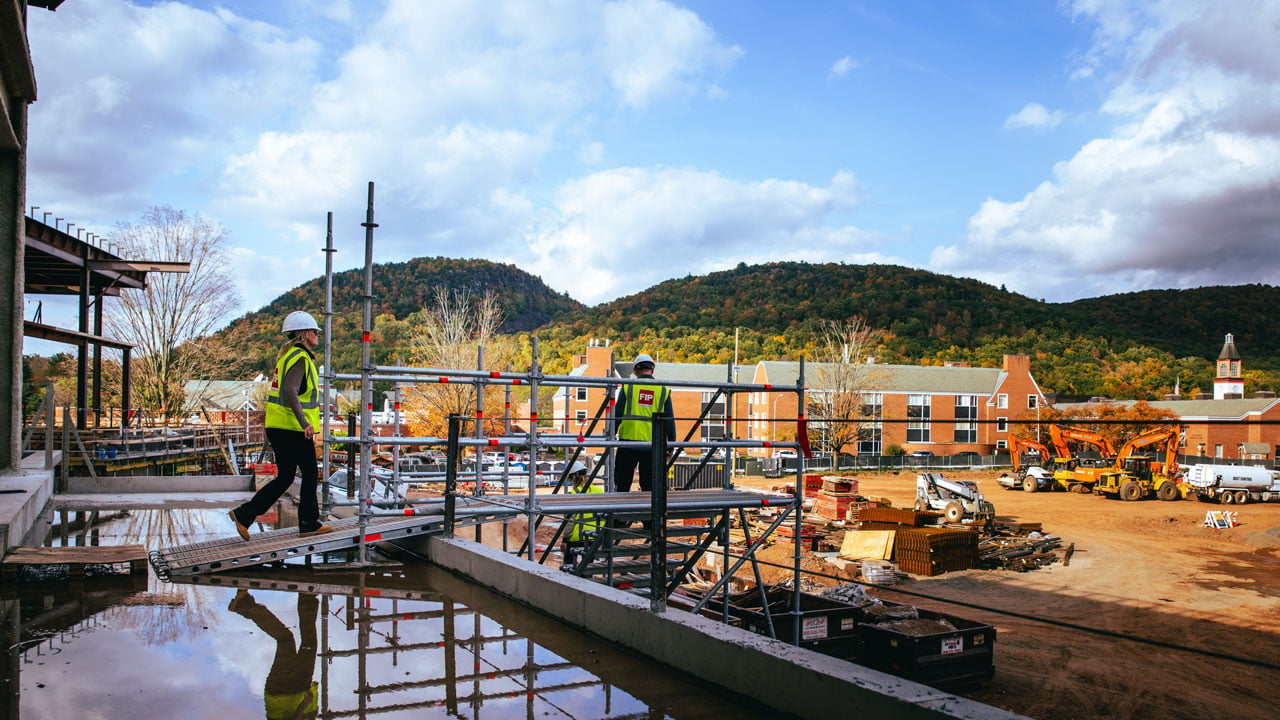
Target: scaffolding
column 467, row 434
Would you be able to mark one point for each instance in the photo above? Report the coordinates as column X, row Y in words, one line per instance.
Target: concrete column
column 13, row 199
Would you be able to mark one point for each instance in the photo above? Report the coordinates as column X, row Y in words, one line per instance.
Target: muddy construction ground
column 1172, row 607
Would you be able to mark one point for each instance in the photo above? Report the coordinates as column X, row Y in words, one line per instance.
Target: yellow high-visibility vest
column 584, row 523
column 280, row 415
column 643, row 402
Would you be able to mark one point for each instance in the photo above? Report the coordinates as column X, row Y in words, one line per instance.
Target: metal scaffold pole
column 366, row 385
column 795, row 584
column 327, row 380
column 535, row 374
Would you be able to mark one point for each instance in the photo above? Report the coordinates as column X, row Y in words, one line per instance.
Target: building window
column 1032, row 401
column 713, row 416
column 1002, row 401
column 1002, row 424
column 966, row 419
column 918, row 415
column 1217, row 450
column 871, row 436
column 582, row 394
column 870, row 439
column 1002, row 444
column 581, row 417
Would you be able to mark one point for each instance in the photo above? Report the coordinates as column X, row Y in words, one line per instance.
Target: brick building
column 942, row 409
column 945, row 409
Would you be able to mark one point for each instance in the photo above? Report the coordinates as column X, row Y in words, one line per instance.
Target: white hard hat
column 642, row 359
column 299, row 320
column 577, row 467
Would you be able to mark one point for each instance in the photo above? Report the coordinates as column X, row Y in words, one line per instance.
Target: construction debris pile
column 876, row 535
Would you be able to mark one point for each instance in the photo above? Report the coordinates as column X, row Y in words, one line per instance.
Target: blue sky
column 1061, row 149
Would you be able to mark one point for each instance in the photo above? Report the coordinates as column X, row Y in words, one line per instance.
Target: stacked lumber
column 934, row 551
column 1021, row 553
column 894, row 517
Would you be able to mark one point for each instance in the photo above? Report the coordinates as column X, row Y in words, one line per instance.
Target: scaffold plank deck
column 279, row 545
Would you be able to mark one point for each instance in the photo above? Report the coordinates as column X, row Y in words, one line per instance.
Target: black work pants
column 625, row 463
column 295, row 454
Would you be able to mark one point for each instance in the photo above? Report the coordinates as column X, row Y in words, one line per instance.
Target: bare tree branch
column 835, row 403
column 170, row 321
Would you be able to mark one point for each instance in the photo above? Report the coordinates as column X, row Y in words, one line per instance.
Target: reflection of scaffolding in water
column 535, row 442
column 392, row 621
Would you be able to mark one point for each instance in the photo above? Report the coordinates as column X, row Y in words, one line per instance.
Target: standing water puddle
column 403, row 641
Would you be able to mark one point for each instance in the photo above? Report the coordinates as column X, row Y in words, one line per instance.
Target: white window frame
column 1002, row 401
column 1032, row 401
column 1002, row 424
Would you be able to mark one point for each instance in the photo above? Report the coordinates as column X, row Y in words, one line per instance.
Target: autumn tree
column 452, row 332
column 170, row 322
column 835, row 403
column 1117, row 422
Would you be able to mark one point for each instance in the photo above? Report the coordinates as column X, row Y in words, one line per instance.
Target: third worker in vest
column 582, row 526
column 636, row 405
column 293, row 419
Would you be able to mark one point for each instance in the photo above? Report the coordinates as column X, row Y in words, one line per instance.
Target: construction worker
column 636, row 405
column 583, row 526
column 292, row 421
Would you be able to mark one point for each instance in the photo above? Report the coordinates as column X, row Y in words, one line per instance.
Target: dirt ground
column 1200, row 598
column 1155, row 616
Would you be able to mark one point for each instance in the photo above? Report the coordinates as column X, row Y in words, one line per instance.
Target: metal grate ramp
column 278, row 545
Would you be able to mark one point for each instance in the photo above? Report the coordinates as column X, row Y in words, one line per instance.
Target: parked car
column 920, row 457
column 967, row 457
column 785, row 453
column 387, row 497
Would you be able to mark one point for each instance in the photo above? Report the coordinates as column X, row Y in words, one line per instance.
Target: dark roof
column 1229, row 349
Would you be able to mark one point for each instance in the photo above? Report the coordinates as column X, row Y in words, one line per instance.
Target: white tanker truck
column 1232, row 484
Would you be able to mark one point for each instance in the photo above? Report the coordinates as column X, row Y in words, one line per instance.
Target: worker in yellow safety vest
column 292, row 421
column 583, row 526
column 636, row 406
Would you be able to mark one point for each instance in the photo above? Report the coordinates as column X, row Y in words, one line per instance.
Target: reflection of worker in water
column 289, row 693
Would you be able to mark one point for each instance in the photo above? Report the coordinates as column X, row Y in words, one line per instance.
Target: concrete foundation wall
column 23, row 496
column 781, row 676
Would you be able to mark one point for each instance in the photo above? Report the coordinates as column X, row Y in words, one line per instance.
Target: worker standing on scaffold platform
column 292, row 420
column 637, row 405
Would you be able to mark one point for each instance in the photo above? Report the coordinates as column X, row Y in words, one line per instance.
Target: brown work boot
column 240, row 528
column 320, row 530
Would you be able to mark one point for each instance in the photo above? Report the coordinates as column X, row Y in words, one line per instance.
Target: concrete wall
column 23, row 497
column 781, row 676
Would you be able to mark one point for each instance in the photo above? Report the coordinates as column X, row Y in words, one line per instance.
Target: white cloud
column 1034, row 115
column 843, row 67
column 1182, row 192
column 621, row 230
column 129, row 95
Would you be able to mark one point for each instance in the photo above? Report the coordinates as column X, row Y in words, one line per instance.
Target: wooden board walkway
column 76, row 559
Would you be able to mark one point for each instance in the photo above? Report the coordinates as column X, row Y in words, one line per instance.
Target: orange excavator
column 1031, row 466
column 1076, row 473
column 1134, row 477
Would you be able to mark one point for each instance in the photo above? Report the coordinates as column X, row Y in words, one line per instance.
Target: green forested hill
column 1192, row 322
column 399, row 291
column 1133, row 345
